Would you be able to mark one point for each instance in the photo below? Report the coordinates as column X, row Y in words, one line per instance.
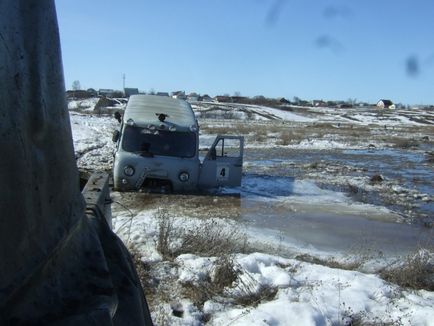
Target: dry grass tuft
column 330, row 262
column 224, row 273
column 260, row 135
column 362, row 318
column 165, row 235
column 285, row 138
column 252, row 299
column 414, row 272
column 228, row 281
column 251, row 293
column 210, row 238
column 404, row 143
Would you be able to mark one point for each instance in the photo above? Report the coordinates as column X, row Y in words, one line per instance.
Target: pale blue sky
column 313, row 49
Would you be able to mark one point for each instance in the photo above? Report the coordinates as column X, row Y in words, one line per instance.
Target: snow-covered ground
column 301, row 293
column 290, row 220
column 93, row 143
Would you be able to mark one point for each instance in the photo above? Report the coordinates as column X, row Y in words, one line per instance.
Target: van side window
column 228, row 148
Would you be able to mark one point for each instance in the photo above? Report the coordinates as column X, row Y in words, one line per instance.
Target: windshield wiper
column 144, row 153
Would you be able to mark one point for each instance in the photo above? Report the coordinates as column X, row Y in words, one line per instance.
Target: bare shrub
column 404, row 143
column 198, row 293
column 415, row 271
column 285, row 138
column 331, row 262
column 260, row 135
column 209, row 238
column 224, row 273
column 239, row 129
column 349, row 266
column 245, row 129
column 250, row 292
column 228, row 129
column 362, row 318
column 274, row 129
column 376, row 178
column 252, row 299
column 220, row 130
column 228, row 281
column 165, row 235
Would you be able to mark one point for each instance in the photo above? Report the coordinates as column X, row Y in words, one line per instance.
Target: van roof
column 144, row 110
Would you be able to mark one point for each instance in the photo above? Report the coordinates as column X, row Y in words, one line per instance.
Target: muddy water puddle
column 277, row 203
column 407, row 186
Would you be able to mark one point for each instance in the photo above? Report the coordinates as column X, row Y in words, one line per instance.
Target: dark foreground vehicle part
column 60, row 265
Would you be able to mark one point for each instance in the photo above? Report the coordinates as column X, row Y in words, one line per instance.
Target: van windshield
column 166, row 143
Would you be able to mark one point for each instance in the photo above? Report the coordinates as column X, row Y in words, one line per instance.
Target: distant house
column 180, row 95
column 106, row 92
column 92, row 92
column 239, row 99
column 304, row 103
column 162, row 94
column 283, row 100
column 319, row 103
column 206, row 98
column 385, row 104
column 223, row 99
column 344, row 105
column 130, row 91
column 78, row 94
column 194, row 97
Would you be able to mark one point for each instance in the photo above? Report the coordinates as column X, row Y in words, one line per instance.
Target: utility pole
column 123, row 78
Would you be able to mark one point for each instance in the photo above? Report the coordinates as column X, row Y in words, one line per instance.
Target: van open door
column 223, row 165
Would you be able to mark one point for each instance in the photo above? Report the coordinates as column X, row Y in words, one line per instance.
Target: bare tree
column 76, row 85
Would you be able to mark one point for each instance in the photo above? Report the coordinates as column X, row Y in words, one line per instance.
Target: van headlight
column 184, row 176
column 129, row 170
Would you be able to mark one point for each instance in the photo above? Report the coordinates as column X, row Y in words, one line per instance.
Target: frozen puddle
column 298, row 217
column 306, row 216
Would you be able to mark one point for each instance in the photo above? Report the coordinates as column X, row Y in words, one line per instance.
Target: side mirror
column 212, row 154
column 118, row 116
column 116, row 135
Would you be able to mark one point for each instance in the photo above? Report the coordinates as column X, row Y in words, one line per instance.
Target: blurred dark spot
column 412, row 66
column 326, row 41
column 377, row 178
column 336, row 12
column 274, row 11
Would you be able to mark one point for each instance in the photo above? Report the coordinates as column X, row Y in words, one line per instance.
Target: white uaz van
column 158, row 149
